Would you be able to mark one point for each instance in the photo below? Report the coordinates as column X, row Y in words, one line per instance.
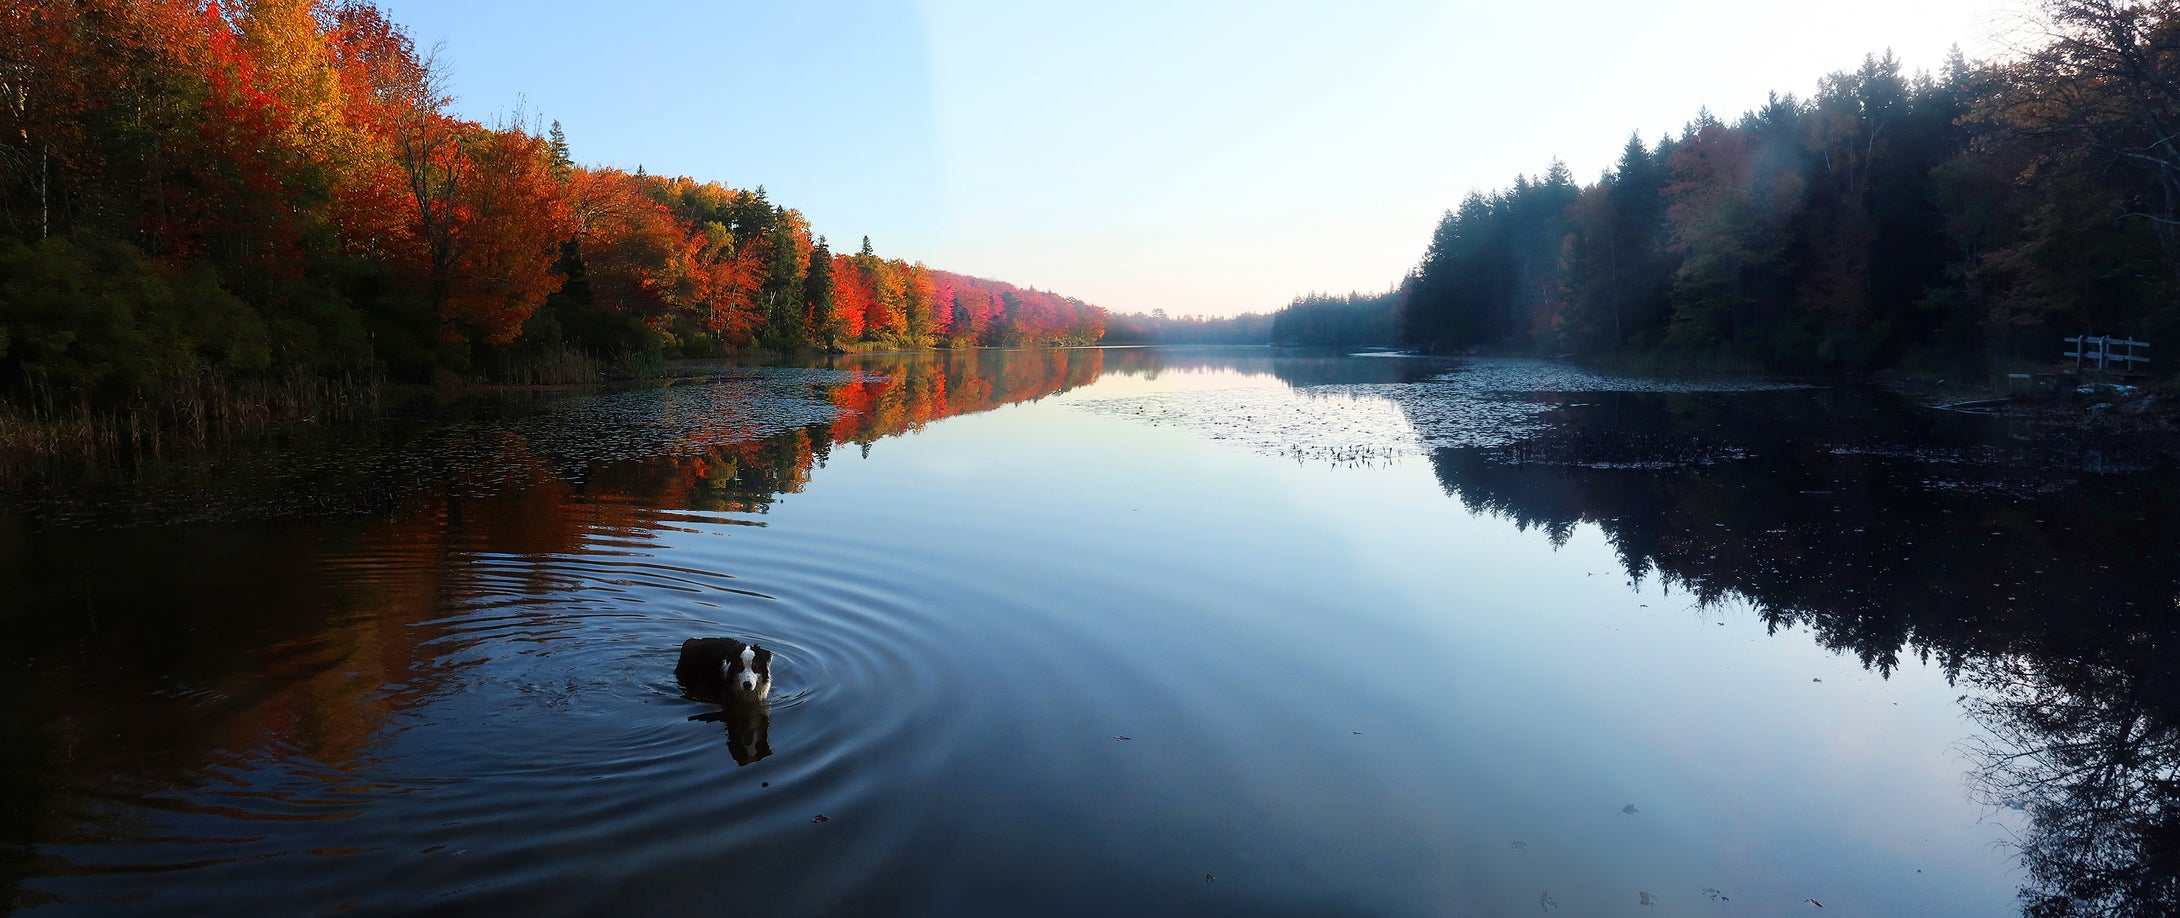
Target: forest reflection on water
column 353, row 653
column 2039, row 571
column 2042, row 576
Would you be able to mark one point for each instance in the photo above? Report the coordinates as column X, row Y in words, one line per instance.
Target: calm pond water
column 1104, row 631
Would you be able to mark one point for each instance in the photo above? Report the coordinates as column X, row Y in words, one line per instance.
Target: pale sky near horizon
column 1198, row 157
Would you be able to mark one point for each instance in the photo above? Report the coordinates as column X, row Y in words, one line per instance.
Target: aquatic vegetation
column 1506, row 405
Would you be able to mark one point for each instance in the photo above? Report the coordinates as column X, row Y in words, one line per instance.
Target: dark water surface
column 1105, row 631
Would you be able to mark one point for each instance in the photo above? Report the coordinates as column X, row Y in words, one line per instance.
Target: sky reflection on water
column 1431, row 682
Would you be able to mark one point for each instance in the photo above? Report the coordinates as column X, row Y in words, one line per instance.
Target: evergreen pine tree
column 562, row 164
column 817, row 295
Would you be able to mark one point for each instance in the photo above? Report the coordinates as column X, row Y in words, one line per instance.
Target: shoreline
column 209, row 412
column 2133, row 412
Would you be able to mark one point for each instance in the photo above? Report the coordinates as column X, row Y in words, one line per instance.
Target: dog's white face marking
column 749, row 673
column 747, row 677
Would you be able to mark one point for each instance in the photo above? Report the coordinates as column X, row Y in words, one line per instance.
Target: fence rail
column 2104, row 352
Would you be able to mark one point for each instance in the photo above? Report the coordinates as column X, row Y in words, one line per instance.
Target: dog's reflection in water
column 738, row 678
column 747, row 730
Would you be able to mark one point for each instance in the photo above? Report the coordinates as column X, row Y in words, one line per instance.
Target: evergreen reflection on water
column 2046, row 589
column 329, row 653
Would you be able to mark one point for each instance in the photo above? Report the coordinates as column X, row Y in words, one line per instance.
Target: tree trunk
column 1612, row 256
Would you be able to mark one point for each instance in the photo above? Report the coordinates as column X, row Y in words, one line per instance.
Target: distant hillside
column 1159, row 328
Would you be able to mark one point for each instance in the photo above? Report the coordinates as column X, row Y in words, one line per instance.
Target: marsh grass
column 560, row 366
column 39, row 429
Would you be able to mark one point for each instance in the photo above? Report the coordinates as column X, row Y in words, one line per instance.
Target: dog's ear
column 761, row 662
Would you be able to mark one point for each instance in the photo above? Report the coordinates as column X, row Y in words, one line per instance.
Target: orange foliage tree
column 304, row 158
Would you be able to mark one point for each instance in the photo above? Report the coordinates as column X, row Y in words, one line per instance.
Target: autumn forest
column 278, row 189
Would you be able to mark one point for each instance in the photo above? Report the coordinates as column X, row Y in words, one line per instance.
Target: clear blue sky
column 1199, row 157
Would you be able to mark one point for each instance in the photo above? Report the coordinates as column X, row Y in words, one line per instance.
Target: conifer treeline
column 1968, row 219
column 1353, row 320
column 279, row 186
column 1805, row 234
column 1156, row 327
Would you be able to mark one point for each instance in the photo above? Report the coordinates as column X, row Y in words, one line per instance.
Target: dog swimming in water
column 737, row 677
column 724, row 670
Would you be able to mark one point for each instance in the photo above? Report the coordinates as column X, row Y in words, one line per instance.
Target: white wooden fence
column 2104, row 352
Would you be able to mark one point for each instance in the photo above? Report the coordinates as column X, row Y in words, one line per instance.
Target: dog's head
column 749, row 673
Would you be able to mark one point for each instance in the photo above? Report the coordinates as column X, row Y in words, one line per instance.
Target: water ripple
column 542, row 716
